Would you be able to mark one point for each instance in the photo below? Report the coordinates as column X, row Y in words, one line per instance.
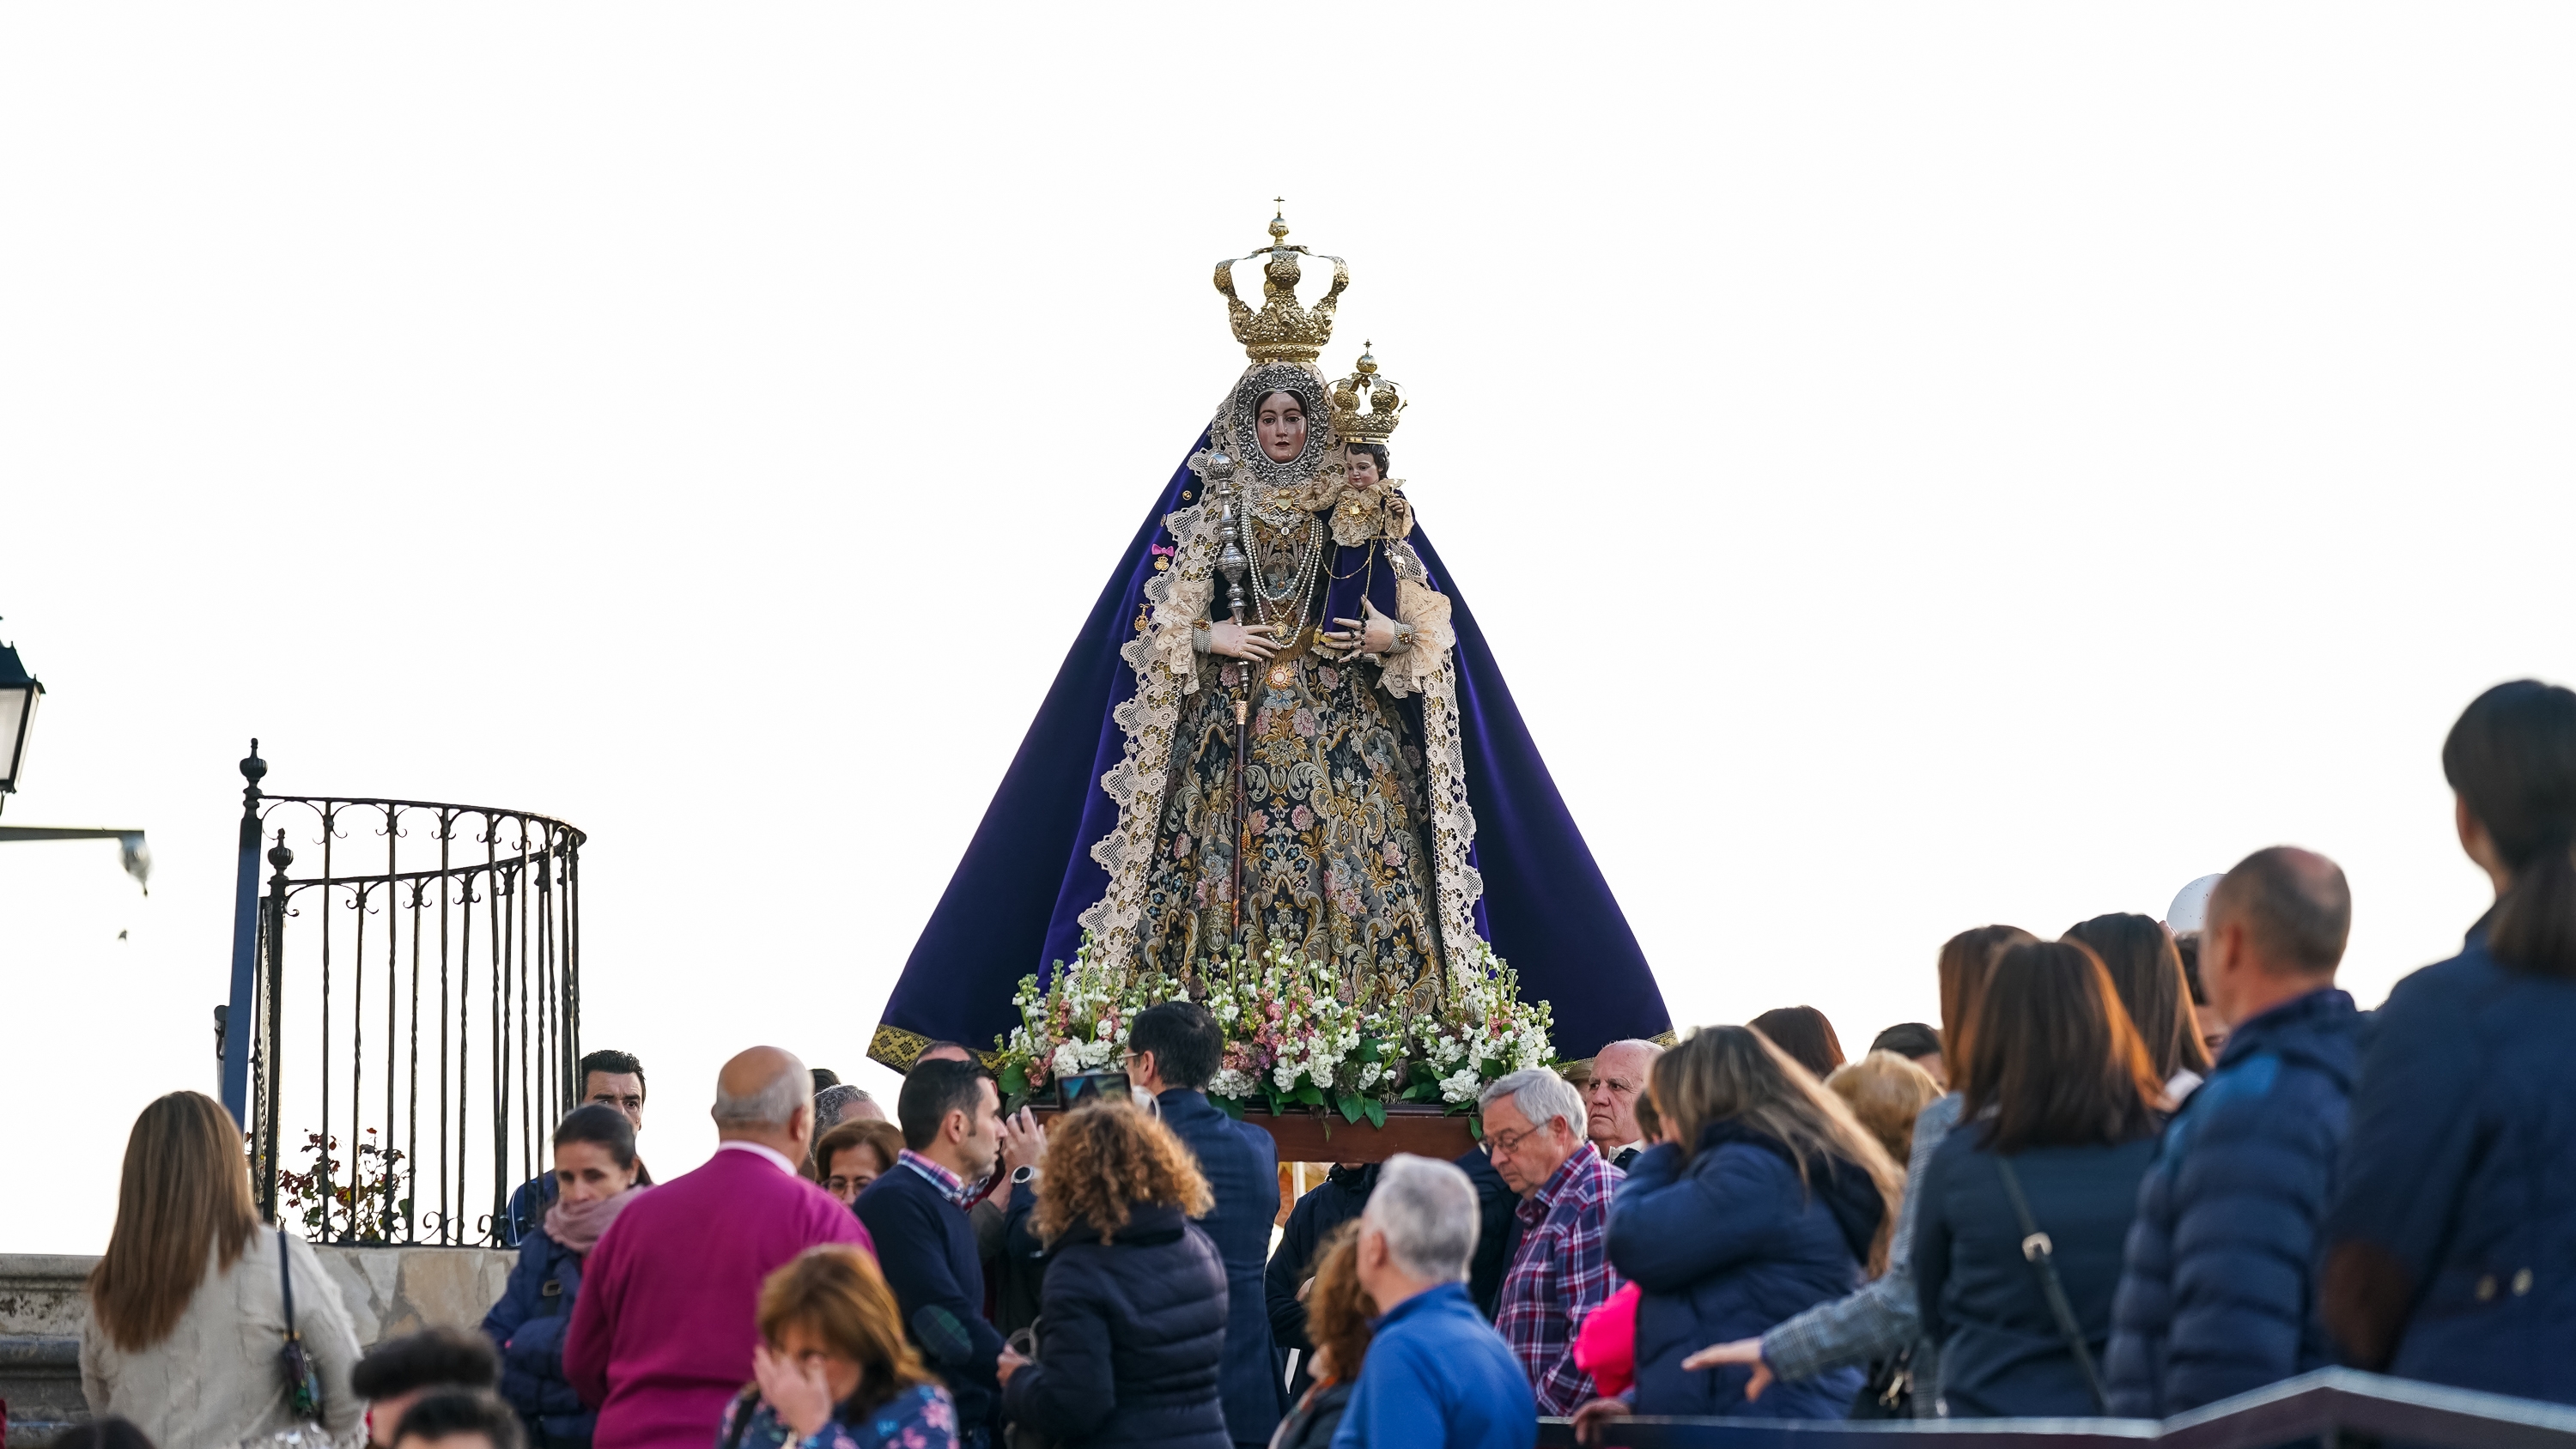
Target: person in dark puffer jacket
column 2058, row 1095
column 2450, row 1250
column 2218, row 1296
column 1328, row 1205
column 1761, row 1198
column 1131, row 1326
column 594, row 1180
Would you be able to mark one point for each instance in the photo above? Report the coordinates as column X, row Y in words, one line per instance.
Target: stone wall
column 388, row 1291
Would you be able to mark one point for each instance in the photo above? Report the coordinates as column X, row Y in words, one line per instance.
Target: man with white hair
column 662, row 1330
column 1534, row 1132
column 1618, row 1077
column 1436, row 1373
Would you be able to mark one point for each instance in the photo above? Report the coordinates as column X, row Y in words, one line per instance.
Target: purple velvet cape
column 1011, row 908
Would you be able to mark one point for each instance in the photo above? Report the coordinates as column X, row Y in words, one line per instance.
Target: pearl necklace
column 1272, row 605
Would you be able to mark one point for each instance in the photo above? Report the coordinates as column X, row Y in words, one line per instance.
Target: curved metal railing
column 416, row 1015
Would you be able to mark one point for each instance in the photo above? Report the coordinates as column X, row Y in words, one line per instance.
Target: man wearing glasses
column 1536, row 1134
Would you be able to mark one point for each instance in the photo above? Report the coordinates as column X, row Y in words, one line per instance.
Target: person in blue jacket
column 594, row 1180
column 2218, row 1293
column 1436, row 1374
column 2060, row 1101
column 1173, row 1051
column 1760, row 1199
column 2450, row 1248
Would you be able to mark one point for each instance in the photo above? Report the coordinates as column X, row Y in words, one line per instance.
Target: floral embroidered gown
column 1338, row 863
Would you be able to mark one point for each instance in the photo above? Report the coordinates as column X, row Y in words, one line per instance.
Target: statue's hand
column 1375, row 634
column 1241, row 641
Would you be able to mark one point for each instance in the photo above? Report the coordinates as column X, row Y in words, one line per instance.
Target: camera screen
column 1089, row 1087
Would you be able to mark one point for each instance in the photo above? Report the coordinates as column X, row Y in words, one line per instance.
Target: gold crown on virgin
column 1376, row 422
column 1282, row 331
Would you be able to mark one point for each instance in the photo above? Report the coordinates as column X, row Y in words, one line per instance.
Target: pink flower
column 1302, row 818
column 1394, row 853
column 1259, row 821
column 1181, row 845
column 1303, row 722
column 1329, row 677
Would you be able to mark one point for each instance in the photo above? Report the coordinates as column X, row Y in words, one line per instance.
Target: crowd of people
column 2134, row 1170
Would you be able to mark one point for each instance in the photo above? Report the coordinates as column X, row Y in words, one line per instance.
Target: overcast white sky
column 1918, row 465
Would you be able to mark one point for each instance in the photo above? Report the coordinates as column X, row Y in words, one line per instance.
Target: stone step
column 388, row 1292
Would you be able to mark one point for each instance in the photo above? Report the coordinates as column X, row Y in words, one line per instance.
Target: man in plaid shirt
column 1534, row 1132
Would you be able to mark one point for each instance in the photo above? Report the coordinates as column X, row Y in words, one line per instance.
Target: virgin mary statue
column 1280, row 727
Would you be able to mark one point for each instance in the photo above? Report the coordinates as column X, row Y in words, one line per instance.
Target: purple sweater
column 662, row 1333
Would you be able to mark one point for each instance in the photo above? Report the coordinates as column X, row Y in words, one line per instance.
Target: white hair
column 1539, row 1094
column 774, row 1105
column 1427, row 1210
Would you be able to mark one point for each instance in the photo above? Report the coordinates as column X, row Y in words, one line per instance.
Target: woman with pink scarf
column 596, row 1176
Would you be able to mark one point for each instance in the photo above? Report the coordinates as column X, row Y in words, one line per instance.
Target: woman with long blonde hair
column 1131, row 1320
column 1763, row 1198
column 1879, row 1328
column 187, row 1313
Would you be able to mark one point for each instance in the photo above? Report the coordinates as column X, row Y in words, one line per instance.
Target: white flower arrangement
column 1291, row 1037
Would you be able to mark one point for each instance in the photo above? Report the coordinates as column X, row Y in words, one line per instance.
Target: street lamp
column 19, row 692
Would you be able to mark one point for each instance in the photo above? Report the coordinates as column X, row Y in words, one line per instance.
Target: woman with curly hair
column 834, row 1370
column 1131, row 1326
column 1338, row 1314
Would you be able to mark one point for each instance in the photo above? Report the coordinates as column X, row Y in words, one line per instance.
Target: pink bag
column 1605, row 1346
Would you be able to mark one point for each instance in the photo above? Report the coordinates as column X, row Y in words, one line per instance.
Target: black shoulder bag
column 303, row 1381
column 2036, row 1248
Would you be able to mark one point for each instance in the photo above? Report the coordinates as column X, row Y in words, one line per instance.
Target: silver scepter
column 1231, row 561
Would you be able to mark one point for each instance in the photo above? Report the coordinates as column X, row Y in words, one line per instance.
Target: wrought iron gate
column 414, row 1010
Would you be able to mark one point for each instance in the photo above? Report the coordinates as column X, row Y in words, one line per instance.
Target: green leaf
column 1232, row 1107
column 1015, row 1080
column 1350, row 1105
column 1370, row 1051
column 1475, row 1124
column 1310, row 1094
column 1376, row 1113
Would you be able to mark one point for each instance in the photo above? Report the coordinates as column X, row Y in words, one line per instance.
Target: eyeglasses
column 846, row 1186
column 1508, row 1143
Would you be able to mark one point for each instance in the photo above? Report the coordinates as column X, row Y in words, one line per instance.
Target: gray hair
column 833, row 1105
column 774, row 1105
column 1427, row 1210
column 1539, row 1095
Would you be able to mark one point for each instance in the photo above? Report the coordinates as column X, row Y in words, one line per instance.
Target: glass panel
column 16, row 707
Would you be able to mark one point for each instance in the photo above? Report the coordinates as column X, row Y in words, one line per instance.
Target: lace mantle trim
column 1166, row 668
column 1430, row 668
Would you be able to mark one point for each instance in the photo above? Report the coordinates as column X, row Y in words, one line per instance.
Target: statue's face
column 1281, row 424
column 1360, row 468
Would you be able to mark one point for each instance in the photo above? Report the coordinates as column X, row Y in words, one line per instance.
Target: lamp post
column 19, row 692
column 238, row 1027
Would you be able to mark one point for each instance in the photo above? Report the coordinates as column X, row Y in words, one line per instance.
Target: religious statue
column 1263, row 739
